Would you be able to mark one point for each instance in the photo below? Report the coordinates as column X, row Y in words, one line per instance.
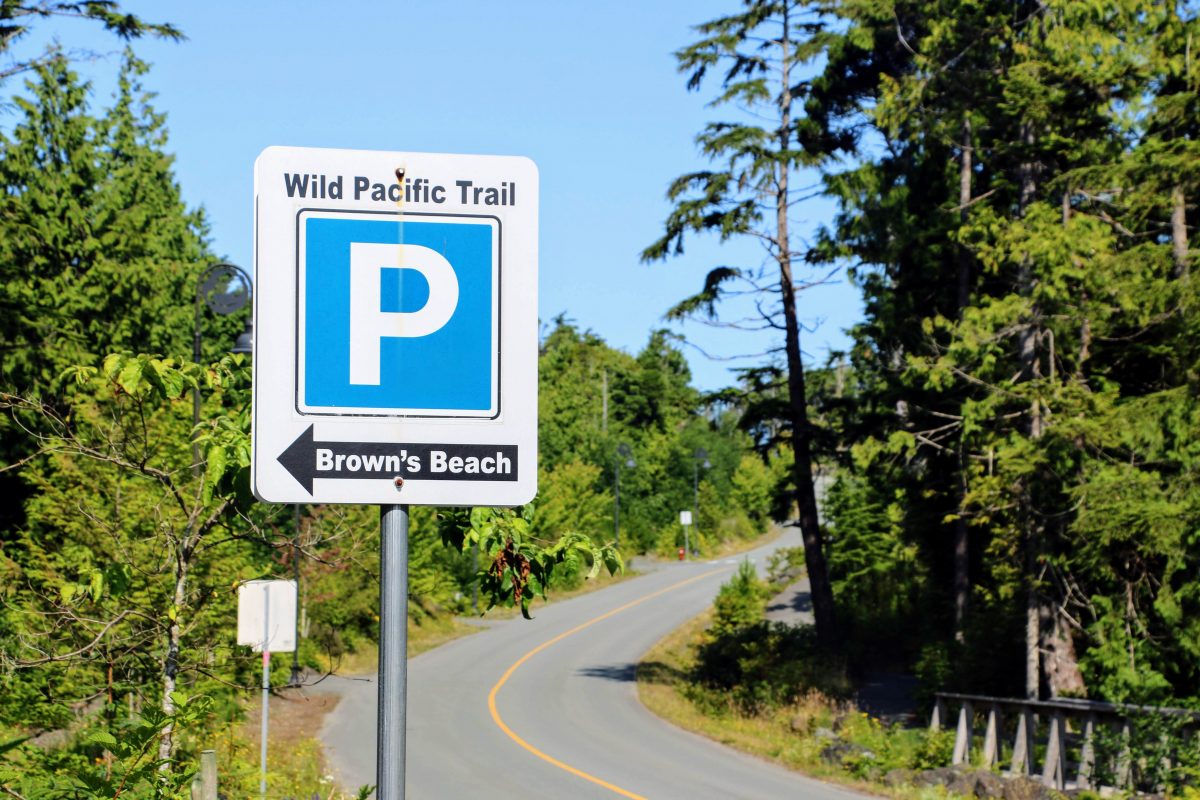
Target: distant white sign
column 395, row 328
column 267, row 606
column 685, row 518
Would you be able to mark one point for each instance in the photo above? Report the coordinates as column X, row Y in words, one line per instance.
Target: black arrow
column 307, row 459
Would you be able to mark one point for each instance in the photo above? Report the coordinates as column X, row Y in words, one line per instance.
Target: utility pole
column 604, row 400
column 626, row 455
column 701, row 455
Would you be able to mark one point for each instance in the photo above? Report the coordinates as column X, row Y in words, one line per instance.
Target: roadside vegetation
column 766, row 688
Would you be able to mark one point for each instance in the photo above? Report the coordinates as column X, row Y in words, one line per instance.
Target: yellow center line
column 517, row 664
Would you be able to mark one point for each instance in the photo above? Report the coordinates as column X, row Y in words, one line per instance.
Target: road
column 548, row 709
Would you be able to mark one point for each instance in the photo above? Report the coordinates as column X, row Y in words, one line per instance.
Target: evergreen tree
column 1020, row 237
column 98, row 252
column 763, row 49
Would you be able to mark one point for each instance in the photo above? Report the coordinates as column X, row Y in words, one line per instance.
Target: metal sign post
column 266, row 688
column 393, row 651
column 395, row 352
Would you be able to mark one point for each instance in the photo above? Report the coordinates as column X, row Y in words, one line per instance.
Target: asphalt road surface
column 548, row 709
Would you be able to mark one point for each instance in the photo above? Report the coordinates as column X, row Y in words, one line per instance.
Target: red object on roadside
column 681, row 554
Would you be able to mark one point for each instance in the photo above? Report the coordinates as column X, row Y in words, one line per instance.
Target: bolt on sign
column 395, row 353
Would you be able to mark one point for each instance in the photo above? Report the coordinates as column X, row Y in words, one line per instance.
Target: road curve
column 548, row 709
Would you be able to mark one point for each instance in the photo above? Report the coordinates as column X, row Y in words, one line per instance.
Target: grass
column 295, row 763
column 662, row 686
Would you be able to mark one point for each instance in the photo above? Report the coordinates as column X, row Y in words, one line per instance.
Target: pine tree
column 1021, row 237
column 98, row 253
column 763, row 49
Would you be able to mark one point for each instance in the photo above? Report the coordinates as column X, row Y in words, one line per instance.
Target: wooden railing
column 1056, row 717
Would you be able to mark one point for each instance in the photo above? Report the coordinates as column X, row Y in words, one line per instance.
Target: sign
column 267, row 606
column 685, row 518
column 395, row 352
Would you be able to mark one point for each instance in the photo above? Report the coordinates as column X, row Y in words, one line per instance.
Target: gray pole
column 266, row 686
column 695, row 493
column 617, row 503
column 295, row 677
column 687, row 547
column 393, row 647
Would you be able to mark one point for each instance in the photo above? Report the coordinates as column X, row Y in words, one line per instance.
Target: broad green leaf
column 130, row 377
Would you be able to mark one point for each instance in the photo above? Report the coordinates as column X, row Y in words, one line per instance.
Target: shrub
column 936, row 749
column 767, row 665
column 741, row 602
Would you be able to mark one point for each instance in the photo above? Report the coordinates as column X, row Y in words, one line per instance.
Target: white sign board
column 395, row 328
column 267, row 606
column 685, row 518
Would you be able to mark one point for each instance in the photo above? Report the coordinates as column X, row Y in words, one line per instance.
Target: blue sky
column 587, row 90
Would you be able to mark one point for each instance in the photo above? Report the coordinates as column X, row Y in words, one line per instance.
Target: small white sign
column 395, row 328
column 267, row 606
column 685, row 518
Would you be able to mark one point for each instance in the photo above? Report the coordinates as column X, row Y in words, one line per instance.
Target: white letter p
column 369, row 324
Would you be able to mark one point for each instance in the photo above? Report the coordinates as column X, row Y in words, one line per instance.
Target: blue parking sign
column 398, row 314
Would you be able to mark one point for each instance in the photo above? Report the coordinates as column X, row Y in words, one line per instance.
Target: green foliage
column 1016, row 213
column 882, row 747
column 1159, row 750
column 762, row 52
column 652, row 409
column 518, row 568
column 569, row 500
column 16, row 18
column 936, row 749
column 127, row 554
column 751, row 489
column 761, row 666
column 740, row 602
column 750, row 665
column 98, row 247
column 130, row 768
column 785, row 565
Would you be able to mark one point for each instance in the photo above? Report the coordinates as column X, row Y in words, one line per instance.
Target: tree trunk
column 110, row 712
column 166, row 743
column 962, row 554
column 1085, row 340
column 1179, row 238
column 1061, row 665
column 802, row 471
column 1027, row 342
column 965, row 172
column 1063, row 675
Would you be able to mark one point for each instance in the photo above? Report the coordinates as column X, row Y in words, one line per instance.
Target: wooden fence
column 1071, row 728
